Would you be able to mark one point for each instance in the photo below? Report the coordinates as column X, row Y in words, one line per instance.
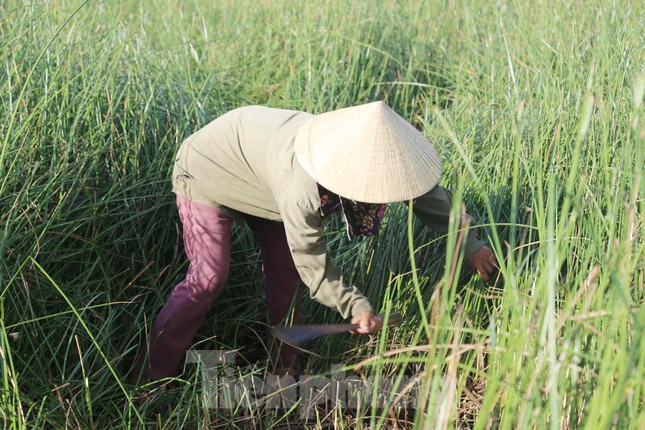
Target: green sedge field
column 537, row 108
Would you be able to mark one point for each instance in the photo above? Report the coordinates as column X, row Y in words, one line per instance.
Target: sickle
column 298, row 334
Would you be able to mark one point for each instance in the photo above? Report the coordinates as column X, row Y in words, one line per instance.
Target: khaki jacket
column 243, row 162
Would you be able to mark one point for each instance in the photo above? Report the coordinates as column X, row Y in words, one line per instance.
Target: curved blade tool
column 298, row 334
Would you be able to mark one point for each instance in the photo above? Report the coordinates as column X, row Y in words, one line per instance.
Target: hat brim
column 368, row 153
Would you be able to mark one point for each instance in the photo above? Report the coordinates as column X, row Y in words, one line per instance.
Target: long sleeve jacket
column 243, row 162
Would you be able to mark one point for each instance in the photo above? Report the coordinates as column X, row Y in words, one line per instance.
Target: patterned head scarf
column 361, row 219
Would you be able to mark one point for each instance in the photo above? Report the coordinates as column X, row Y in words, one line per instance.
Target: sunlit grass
column 537, row 110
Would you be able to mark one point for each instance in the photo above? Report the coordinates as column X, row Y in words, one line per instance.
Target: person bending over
column 283, row 172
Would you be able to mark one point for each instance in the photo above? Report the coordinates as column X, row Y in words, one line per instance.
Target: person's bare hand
column 484, row 262
column 369, row 324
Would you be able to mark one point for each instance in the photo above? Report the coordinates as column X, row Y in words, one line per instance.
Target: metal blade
column 297, row 334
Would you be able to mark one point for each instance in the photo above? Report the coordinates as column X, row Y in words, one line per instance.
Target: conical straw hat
column 368, row 153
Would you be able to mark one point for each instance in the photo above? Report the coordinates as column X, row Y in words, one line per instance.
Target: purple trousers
column 207, row 242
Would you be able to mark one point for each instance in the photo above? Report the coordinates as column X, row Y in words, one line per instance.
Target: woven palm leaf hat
column 368, row 153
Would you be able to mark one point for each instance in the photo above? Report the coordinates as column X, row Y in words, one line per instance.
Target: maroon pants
column 207, row 242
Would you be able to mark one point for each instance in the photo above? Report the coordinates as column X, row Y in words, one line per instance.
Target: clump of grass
column 538, row 114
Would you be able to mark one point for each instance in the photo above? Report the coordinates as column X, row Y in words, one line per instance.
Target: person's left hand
column 369, row 324
column 484, row 262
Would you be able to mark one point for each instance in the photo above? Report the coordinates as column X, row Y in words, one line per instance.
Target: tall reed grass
column 536, row 108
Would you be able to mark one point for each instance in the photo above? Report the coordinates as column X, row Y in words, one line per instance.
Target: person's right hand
column 369, row 324
column 484, row 262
